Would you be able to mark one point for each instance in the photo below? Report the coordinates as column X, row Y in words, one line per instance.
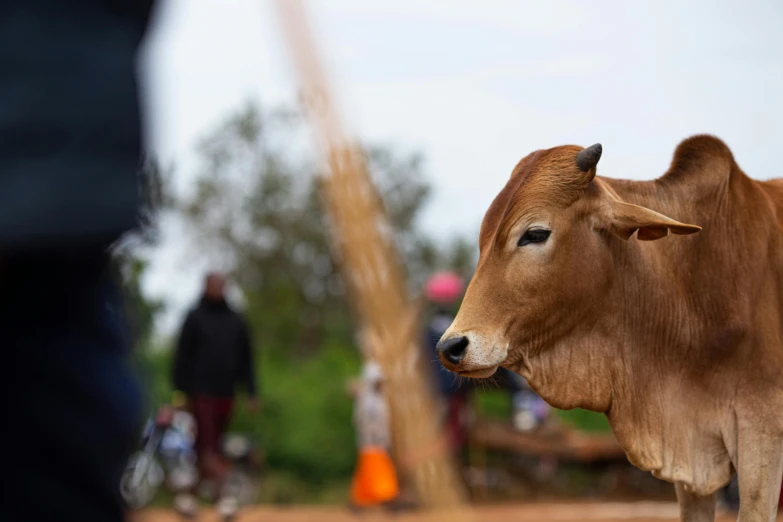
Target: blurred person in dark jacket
column 214, row 357
column 70, row 147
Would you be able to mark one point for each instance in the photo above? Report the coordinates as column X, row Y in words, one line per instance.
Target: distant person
column 530, row 411
column 375, row 479
column 70, row 151
column 214, row 357
column 443, row 292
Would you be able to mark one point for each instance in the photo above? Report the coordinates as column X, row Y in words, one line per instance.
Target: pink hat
column 444, row 288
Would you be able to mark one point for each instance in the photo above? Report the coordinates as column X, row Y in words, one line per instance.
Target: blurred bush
column 304, row 426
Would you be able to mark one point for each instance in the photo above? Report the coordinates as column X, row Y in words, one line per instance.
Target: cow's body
column 679, row 341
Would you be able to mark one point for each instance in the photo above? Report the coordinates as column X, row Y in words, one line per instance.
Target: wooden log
column 563, row 445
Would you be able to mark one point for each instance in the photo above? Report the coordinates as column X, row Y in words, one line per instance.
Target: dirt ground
column 564, row 512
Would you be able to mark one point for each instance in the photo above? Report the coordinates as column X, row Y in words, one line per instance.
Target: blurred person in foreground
column 214, row 356
column 70, row 151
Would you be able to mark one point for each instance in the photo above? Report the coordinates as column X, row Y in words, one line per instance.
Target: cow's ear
column 627, row 219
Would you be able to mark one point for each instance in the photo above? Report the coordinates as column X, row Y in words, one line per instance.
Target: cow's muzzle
column 452, row 350
column 467, row 354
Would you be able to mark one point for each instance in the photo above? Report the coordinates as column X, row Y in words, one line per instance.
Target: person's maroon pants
column 212, row 416
column 456, row 422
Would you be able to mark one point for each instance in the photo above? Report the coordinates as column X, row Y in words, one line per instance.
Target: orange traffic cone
column 375, row 480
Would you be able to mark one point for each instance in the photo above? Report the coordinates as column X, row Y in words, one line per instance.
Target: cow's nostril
column 453, row 350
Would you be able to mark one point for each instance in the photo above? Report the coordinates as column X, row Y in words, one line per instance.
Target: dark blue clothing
column 70, row 131
column 443, row 381
column 510, row 380
column 70, row 147
column 71, row 404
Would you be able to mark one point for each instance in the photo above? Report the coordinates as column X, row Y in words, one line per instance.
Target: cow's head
column 545, row 260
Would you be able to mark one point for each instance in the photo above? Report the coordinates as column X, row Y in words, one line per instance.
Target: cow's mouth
column 481, row 373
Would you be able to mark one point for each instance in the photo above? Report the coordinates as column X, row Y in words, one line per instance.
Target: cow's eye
column 534, row 235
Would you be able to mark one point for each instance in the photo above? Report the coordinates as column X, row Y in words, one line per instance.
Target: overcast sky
column 476, row 85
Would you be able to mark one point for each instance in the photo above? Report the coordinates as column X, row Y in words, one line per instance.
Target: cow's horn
column 588, row 158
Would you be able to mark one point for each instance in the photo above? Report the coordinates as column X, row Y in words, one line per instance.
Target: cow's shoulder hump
column 702, row 159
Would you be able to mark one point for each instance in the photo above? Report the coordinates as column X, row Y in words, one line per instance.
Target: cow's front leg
column 694, row 508
column 759, row 470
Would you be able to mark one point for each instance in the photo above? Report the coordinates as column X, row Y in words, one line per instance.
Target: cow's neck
column 631, row 365
column 635, row 335
column 655, row 390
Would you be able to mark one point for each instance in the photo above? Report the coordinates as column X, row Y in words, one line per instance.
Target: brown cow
column 678, row 340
